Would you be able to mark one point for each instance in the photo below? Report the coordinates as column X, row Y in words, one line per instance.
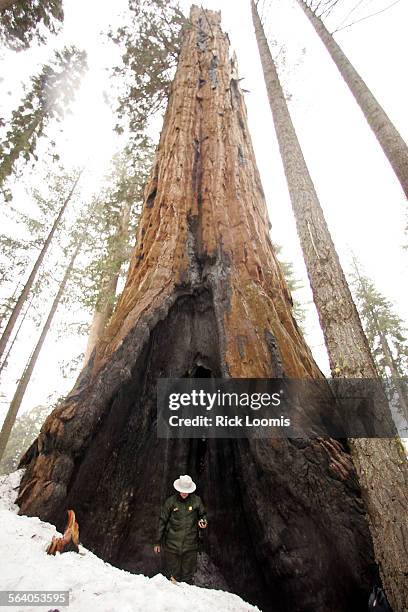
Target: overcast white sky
column 362, row 200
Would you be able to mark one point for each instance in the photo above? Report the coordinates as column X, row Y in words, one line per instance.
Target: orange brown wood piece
column 70, row 539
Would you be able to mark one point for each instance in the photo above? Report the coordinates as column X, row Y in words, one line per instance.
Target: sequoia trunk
column 204, row 296
column 381, row 463
column 391, row 141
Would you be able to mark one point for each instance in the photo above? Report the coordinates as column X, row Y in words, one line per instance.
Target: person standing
column 181, row 517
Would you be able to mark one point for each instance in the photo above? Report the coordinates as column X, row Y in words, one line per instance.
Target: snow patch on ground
column 9, row 484
column 93, row 584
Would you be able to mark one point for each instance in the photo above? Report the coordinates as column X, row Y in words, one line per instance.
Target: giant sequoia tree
column 204, row 296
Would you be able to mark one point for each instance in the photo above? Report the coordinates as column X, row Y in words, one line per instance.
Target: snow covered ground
column 93, row 584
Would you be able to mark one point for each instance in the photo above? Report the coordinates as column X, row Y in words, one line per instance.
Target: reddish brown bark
column 204, row 204
column 6, row 4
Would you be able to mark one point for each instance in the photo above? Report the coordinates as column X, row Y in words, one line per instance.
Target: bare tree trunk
column 393, row 145
column 380, row 463
column 104, row 307
column 10, row 348
column 26, row 289
column 25, row 379
column 331, row 292
column 388, row 356
column 204, row 294
column 7, row 168
column 6, row 307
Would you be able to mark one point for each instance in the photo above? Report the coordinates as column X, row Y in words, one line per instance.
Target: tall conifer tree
column 381, row 464
column 390, row 140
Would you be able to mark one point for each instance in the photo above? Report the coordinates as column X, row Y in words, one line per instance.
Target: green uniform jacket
column 178, row 529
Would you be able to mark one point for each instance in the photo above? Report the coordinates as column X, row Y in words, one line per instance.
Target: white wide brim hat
column 184, row 484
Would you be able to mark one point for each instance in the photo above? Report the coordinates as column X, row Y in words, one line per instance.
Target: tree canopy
column 25, row 21
column 48, row 97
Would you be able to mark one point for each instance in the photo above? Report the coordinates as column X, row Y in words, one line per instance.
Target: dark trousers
column 181, row 566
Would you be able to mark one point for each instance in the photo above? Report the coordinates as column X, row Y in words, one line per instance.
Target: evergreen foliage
column 299, row 311
column 26, row 234
column 382, row 325
column 37, row 244
column 107, row 249
column 150, row 40
column 25, row 21
column 49, row 96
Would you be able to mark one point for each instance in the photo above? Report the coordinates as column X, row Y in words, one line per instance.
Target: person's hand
column 156, row 549
column 202, row 524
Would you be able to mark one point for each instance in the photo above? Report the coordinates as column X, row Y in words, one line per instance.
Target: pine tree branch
column 351, row 11
column 328, row 10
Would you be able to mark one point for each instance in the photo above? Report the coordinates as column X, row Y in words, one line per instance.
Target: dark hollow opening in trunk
column 200, row 372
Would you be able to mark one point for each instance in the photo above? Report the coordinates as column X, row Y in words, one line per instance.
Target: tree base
column 286, row 531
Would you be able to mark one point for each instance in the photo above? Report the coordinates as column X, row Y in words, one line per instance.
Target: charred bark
column 204, row 297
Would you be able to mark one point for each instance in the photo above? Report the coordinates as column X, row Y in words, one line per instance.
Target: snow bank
column 9, row 484
column 93, row 584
